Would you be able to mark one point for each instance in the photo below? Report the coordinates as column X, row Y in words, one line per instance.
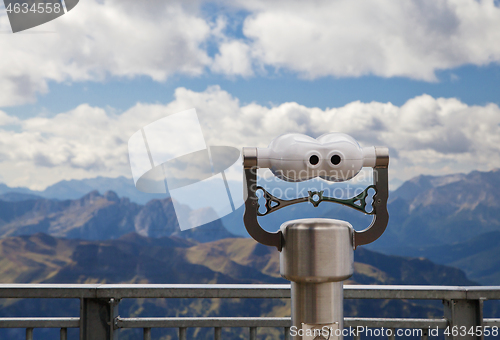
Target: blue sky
column 75, row 89
column 473, row 85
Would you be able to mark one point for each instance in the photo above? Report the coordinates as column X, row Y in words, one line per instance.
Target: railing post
column 97, row 319
column 392, row 335
column 63, row 334
column 253, row 333
column 182, row 333
column 147, row 333
column 425, row 334
column 29, row 333
column 463, row 313
column 217, row 333
column 287, row 333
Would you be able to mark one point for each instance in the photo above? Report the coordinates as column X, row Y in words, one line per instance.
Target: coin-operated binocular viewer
column 316, row 254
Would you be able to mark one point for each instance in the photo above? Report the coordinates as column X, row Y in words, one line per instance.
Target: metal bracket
column 380, row 214
column 368, row 235
column 252, row 211
column 357, row 202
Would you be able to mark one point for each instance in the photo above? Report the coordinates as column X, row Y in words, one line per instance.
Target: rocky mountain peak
column 111, row 196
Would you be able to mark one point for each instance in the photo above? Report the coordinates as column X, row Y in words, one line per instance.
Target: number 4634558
column 35, row 8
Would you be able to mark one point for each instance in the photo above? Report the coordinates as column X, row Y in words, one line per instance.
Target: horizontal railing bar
column 176, row 322
column 39, row 322
column 209, row 322
column 188, row 322
column 395, row 322
column 279, row 291
column 120, row 291
column 483, row 292
column 283, row 291
column 65, row 291
column 405, row 292
column 491, row 322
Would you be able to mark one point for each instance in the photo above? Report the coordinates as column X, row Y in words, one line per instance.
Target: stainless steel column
column 317, row 303
column 317, row 256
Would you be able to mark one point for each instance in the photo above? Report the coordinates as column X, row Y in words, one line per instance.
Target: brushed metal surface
column 317, row 303
column 317, row 250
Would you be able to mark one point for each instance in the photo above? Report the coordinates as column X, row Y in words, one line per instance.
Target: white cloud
column 102, row 38
column 385, row 38
column 233, row 59
column 425, row 135
column 99, row 39
column 5, row 119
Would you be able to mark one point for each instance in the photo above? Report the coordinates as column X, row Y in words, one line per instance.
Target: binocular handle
column 368, row 235
column 381, row 216
column 252, row 203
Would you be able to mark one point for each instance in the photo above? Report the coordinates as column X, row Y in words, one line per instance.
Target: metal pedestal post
column 317, row 256
column 318, row 304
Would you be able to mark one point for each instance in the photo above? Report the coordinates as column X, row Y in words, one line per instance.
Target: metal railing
column 99, row 319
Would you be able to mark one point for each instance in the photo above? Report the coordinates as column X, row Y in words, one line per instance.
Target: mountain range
column 478, row 257
column 74, row 189
column 134, row 258
column 106, row 237
column 99, row 217
column 453, row 219
column 450, row 209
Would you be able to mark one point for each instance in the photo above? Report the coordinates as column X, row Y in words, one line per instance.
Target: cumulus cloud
column 102, row 38
column 384, row 38
column 425, row 135
column 233, row 59
column 5, row 119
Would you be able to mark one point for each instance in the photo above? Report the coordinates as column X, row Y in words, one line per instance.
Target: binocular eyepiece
column 335, row 157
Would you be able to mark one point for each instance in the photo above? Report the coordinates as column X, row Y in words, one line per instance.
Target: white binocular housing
column 334, row 157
